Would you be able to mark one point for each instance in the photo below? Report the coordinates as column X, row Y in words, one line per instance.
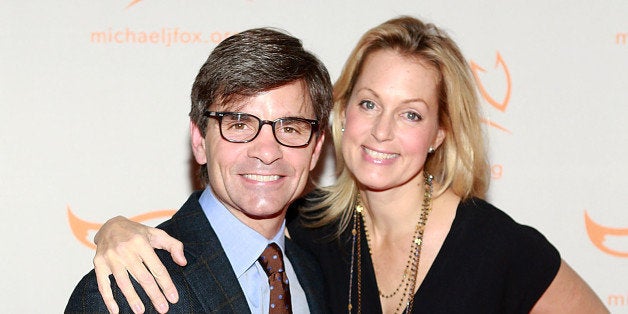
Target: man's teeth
column 379, row 155
column 261, row 178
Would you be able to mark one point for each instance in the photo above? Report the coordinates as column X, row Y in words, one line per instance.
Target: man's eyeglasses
column 237, row 127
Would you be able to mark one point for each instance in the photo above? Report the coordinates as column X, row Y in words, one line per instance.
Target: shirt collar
column 241, row 244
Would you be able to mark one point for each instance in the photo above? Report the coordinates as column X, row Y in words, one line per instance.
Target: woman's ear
column 342, row 119
column 440, row 137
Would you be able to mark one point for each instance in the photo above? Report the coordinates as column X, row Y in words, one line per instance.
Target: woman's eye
column 413, row 116
column 367, row 104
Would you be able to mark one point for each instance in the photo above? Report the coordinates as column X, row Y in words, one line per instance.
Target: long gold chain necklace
column 412, row 265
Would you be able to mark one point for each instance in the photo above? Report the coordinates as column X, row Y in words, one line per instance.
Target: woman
column 405, row 228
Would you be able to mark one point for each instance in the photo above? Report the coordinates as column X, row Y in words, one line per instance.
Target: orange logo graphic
column 497, row 171
column 598, row 233
column 132, row 3
column 81, row 228
column 499, row 105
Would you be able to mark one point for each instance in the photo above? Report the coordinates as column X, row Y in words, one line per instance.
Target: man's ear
column 198, row 144
column 320, row 141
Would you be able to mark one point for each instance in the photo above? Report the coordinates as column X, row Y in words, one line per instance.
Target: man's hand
column 124, row 245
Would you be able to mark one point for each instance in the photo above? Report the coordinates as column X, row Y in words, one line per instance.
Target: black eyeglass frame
column 220, row 114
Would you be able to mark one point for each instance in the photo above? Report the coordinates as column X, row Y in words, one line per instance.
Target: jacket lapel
column 208, row 273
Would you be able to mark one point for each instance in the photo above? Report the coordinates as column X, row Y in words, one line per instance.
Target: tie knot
column 272, row 259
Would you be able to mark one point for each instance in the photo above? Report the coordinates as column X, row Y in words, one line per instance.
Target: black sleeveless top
column 488, row 263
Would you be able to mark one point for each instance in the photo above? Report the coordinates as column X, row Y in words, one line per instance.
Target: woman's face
column 391, row 120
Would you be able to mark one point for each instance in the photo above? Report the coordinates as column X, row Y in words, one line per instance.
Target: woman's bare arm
column 568, row 293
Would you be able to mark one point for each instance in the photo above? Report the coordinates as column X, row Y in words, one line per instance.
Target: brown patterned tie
column 272, row 262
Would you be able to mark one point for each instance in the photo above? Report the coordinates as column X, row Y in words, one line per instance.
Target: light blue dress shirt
column 243, row 247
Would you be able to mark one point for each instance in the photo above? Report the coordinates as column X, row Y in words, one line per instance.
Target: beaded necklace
column 412, row 265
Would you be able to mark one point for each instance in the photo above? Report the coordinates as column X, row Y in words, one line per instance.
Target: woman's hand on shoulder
column 123, row 245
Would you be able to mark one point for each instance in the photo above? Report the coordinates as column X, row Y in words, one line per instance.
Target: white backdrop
column 94, row 98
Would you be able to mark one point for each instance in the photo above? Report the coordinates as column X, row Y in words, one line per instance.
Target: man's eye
column 293, row 127
column 288, row 130
column 238, row 126
column 367, row 104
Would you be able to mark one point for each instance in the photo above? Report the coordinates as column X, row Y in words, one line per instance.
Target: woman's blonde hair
column 460, row 163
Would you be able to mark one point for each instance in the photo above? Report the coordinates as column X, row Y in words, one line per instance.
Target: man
column 253, row 172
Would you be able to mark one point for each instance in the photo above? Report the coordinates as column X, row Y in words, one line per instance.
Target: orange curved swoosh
column 81, row 228
column 597, row 233
column 496, row 125
column 501, row 106
column 132, row 3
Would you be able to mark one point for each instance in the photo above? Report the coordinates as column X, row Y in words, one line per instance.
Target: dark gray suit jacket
column 207, row 284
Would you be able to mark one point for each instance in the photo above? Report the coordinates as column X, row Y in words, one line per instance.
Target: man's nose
column 265, row 147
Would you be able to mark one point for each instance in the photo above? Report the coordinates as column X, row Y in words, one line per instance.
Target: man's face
column 257, row 180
